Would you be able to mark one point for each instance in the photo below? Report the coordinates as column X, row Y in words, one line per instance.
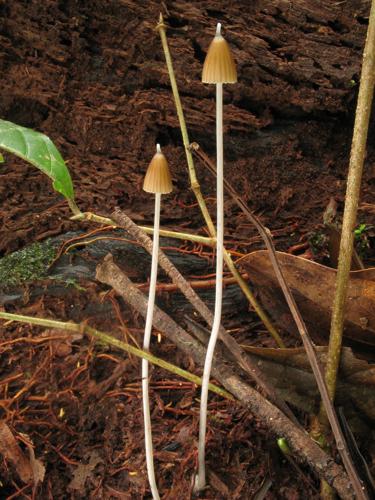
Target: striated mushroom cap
column 219, row 65
column 158, row 178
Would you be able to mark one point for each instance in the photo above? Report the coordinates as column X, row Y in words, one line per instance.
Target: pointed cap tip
column 158, row 178
column 219, row 65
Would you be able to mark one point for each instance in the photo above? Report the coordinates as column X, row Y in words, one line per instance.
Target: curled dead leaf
column 313, row 286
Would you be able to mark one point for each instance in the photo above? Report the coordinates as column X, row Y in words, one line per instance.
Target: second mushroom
column 157, row 181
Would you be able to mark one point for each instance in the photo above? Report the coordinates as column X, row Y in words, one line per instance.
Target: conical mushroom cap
column 219, row 65
column 158, row 178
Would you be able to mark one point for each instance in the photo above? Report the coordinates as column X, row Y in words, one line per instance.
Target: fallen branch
column 298, row 440
column 184, row 286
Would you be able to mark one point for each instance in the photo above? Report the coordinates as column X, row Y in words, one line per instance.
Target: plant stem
column 182, row 236
column 146, row 347
column 201, row 478
column 357, row 157
column 73, row 207
column 107, row 339
column 185, row 137
column 198, row 194
column 196, row 238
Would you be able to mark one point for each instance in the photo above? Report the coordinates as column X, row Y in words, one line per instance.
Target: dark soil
column 91, row 75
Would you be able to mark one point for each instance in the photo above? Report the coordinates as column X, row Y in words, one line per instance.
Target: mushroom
column 157, row 181
column 219, row 68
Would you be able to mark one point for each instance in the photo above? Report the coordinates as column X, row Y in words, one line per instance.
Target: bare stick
column 357, row 157
column 99, row 219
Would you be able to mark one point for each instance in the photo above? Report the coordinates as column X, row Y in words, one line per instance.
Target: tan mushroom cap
column 219, row 65
column 158, row 178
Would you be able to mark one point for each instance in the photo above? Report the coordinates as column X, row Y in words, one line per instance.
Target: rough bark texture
column 92, row 76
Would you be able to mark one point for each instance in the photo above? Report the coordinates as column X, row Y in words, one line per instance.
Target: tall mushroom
column 157, row 181
column 219, row 68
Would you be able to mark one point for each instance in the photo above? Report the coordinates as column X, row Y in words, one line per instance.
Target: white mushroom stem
column 201, row 478
column 146, row 346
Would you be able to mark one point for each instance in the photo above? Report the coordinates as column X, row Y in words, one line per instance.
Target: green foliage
column 283, row 445
column 358, row 232
column 361, row 239
column 28, row 264
column 39, row 150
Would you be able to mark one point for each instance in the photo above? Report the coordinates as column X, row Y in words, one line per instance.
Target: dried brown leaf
column 12, row 452
column 312, row 286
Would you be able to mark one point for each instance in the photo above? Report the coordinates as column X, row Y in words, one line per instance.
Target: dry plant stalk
column 99, row 219
column 161, row 28
column 357, row 157
column 71, row 328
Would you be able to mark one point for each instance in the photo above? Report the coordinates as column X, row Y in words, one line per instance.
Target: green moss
column 28, row 264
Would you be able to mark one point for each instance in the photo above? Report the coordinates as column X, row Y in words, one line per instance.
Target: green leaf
column 360, row 229
column 1, row 158
column 39, row 150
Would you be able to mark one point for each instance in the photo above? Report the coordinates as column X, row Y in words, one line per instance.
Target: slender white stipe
column 218, row 68
column 201, row 478
column 146, row 346
column 157, row 181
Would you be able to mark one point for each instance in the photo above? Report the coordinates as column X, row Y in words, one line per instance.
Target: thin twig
column 307, row 342
column 90, row 216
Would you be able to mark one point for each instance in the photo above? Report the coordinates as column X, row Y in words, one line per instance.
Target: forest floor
column 91, row 75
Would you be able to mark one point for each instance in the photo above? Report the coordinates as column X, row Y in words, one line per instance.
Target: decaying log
column 287, row 118
column 78, row 264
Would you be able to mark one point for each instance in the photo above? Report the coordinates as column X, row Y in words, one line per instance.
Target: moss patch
column 28, row 264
